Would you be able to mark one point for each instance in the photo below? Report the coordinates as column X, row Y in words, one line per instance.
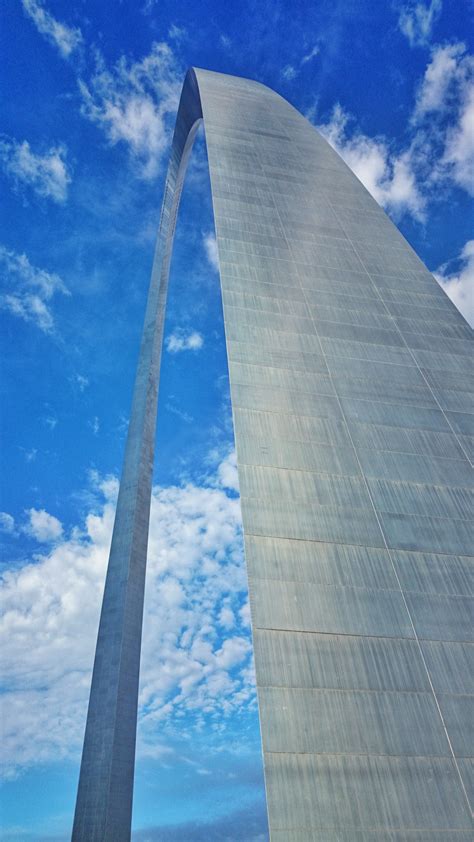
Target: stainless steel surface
column 349, row 373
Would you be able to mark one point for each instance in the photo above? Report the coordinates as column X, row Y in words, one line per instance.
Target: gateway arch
column 349, row 373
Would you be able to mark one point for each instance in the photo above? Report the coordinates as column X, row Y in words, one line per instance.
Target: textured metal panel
column 356, row 722
column 351, row 388
column 295, row 659
column 364, row 791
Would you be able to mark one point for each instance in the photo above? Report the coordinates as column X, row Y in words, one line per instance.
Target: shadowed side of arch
column 353, row 474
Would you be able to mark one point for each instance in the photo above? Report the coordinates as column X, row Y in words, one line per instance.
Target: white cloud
column 447, row 66
column 28, row 290
column 445, row 111
column 43, row 526
column 226, row 617
column 459, row 285
column 30, row 455
column 459, row 149
column 133, row 102
column 312, row 53
column 417, row 19
column 51, row 610
column 389, row 177
column 94, row 424
column 439, row 150
column 289, row 72
column 179, row 341
column 7, row 523
column 210, row 246
column 177, row 33
column 80, row 381
column 67, row 39
column 227, row 472
column 180, row 413
column 47, row 175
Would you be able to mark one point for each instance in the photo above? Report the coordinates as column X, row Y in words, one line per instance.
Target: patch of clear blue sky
column 100, row 242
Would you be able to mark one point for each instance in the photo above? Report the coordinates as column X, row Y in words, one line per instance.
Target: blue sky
column 90, row 94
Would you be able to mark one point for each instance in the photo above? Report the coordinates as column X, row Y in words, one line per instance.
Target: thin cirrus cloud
column 48, row 175
column 28, row 290
column 191, row 669
column 133, row 104
column 290, row 72
column 65, row 38
column 179, row 341
column 417, row 19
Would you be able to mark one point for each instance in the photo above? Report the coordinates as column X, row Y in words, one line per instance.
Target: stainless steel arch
column 348, row 370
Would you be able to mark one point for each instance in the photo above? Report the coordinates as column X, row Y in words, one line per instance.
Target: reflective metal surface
column 352, row 403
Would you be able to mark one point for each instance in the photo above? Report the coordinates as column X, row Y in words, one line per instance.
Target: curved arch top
column 348, row 369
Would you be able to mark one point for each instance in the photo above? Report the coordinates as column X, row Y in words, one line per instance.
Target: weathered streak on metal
column 349, row 376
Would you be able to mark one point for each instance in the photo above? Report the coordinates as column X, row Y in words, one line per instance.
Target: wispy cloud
column 417, row 19
column 47, row 175
column 50, row 421
column 457, row 279
column 188, row 668
column 133, row 103
column 30, row 454
column 7, row 523
column 210, row 247
column 94, row 425
column 312, row 54
column 447, row 70
column 180, row 340
column 65, row 38
column 180, row 413
column 291, row 71
column 27, row 290
column 177, row 33
column 80, row 381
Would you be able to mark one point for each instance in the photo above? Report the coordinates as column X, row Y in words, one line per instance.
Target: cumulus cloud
column 42, row 526
column 388, row 176
column 195, row 581
column 179, row 341
column 210, row 246
column 458, row 282
column 417, row 20
column 133, row 104
column 65, row 38
column 47, row 175
column 227, row 472
column 27, row 290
